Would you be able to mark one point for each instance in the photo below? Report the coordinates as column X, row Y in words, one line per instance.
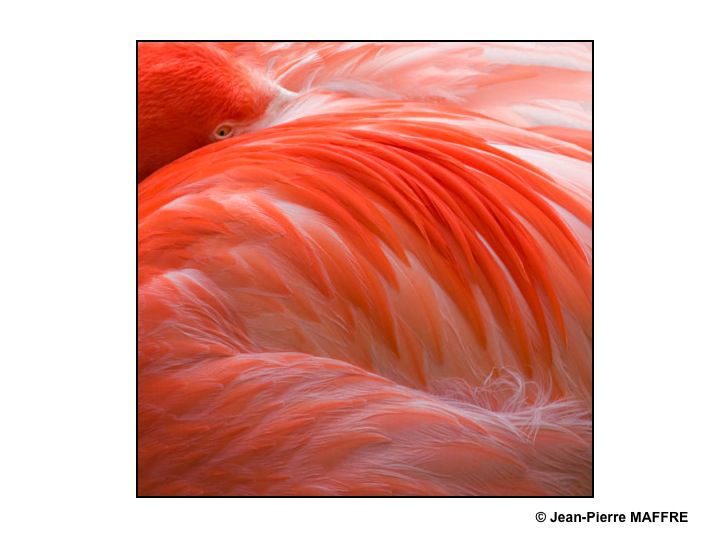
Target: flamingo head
column 190, row 95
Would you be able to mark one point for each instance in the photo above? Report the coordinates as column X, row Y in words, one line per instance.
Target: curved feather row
column 291, row 424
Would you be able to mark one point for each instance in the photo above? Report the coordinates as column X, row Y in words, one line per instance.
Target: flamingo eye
column 223, row 131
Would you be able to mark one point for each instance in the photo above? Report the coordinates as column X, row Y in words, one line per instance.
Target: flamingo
column 364, row 269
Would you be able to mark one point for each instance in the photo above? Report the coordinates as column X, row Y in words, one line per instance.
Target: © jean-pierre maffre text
column 633, row 517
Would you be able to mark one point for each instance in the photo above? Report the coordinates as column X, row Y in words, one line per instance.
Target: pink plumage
column 379, row 282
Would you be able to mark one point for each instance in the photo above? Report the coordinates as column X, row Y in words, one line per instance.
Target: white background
column 67, row 211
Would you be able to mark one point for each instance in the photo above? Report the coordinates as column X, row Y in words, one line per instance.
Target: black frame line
column 592, row 233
